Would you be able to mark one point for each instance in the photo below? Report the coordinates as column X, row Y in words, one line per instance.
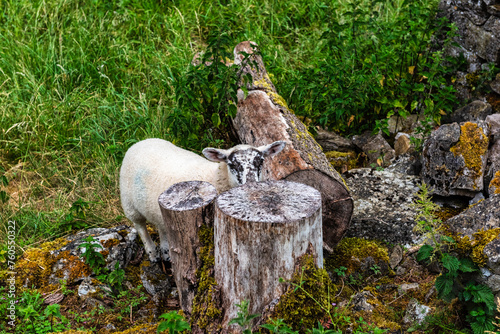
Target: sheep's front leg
column 164, row 248
column 149, row 245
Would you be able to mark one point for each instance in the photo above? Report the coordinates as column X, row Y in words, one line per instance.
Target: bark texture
column 263, row 117
column 261, row 229
column 185, row 207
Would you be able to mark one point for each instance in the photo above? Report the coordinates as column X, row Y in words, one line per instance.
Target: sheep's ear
column 273, row 148
column 214, row 154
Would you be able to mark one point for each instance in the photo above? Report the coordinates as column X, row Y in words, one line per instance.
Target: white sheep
column 151, row 166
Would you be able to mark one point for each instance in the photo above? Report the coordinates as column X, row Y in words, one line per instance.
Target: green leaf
column 450, row 262
column 467, row 265
column 425, row 252
column 4, row 181
column 482, row 294
column 444, row 286
column 429, row 104
column 448, row 239
column 216, row 120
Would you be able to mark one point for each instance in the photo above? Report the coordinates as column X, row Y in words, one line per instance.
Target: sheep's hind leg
column 149, row 245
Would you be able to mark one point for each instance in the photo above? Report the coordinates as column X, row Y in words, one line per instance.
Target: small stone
column 494, row 283
column 396, row 256
column 415, row 312
column 495, row 84
column 86, row 288
column 493, row 122
column 404, row 288
column 376, row 148
column 360, row 301
column 402, row 144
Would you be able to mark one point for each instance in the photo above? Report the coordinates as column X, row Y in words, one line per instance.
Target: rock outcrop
column 454, row 159
column 382, row 205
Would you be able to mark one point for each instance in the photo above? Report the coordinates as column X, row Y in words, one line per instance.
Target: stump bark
column 261, row 229
column 263, row 117
column 185, row 207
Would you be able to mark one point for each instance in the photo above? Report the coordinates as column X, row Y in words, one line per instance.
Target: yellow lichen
column 475, row 247
column 342, row 161
column 495, row 183
column 265, row 83
column 472, row 146
column 35, row 265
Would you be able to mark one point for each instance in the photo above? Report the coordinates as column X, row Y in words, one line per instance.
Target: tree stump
column 263, row 117
column 261, row 229
column 185, row 207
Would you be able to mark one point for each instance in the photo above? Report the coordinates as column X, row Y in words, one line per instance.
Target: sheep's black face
column 245, row 166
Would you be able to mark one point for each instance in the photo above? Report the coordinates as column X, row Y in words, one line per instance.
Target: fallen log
column 261, row 229
column 263, row 117
column 185, row 207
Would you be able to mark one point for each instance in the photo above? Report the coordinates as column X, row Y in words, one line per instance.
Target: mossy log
column 185, row 207
column 261, row 230
column 264, row 117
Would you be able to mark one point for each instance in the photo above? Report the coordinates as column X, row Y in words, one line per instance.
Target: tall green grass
column 81, row 81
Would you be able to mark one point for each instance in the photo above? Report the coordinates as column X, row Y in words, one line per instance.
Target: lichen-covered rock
column 454, row 159
column 478, row 229
column 382, row 205
column 494, row 187
column 478, row 30
column 330, row 141
column 484, row 215
column 408, row 163
column 474, row 111
column 119, row 244
column 492, row 252
column 376, row 148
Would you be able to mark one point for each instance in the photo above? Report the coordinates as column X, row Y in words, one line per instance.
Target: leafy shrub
column 206, row 96
column 372, row 65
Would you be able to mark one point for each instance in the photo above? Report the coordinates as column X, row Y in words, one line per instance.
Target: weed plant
column 456, row 279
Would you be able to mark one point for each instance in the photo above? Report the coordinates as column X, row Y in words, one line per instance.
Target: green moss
column 296, row 307
column 475, row 247
column 350, row 251
column 206, row 313
column 472, row 146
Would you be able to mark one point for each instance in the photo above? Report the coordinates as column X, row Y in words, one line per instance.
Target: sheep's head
column 244, row 162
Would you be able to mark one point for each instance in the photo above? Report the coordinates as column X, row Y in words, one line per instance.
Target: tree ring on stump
column 270, row 202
